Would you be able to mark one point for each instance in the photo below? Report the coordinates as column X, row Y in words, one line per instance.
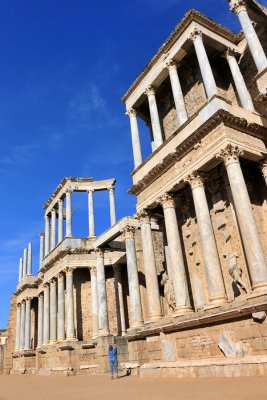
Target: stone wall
column 11, row 336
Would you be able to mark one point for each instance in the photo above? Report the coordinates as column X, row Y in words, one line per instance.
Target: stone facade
column 181, row 287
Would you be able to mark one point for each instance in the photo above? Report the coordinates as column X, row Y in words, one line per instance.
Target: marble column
column 136, row 316
column 152, row 285
column 154, row 115
column 40, row 319
column 68, row 214
column 28, row 324
column 240, row 85
column 53, row 229
column 17, row 345
column 20, row 269
column 47, row 235
column 94, row 303
column 204, row 64
column 257, row 52
column 91, row 216
column 70, row 331
column 119, row 300
column 41, row 254
column 246, row 221
column 176, row 258
column 25, row 261
column 177, row 92
column 112, row 206
column 29, row 259
column 263, row 167
column 22, row 325
column 46, row 329
column 137, row 154
column 61, row 308
column 103, row 323
column 53, row 311
column 60, row 221
column 207, row 239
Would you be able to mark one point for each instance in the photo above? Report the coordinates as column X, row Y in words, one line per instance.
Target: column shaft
column 25, row 261
column 177, row 92
column 28, row 325
column 53, row 311
column 47, row 235
column 46, row 315
column 41, row 254
column 61, row 309
column 22, row 326
column 53, row 229
column 154, row 115
column 20, row 269
column 29, row 259
column 60, row 221
column 119, row 300
column 70, row 305
column 17, row 346
column 103, row 323
column 40, row 319
column 91, row 217
column 112, row 207
column 94, row 303
column 135, row 138
column 68, row 214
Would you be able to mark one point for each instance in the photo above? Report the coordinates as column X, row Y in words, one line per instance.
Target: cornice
column 220, row 117
column 189, row 17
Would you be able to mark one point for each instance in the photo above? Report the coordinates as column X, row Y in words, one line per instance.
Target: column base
column 182, row 310
column 53, row 341
column 71, row 339
column 153, row 318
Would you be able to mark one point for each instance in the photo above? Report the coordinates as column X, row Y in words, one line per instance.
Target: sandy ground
column 130, row 388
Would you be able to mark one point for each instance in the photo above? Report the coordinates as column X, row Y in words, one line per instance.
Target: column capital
column 46, row 286
column 128, row 231
column 196, row 179
column 99, row 252
column 28, row 299
column 60, row 275
column 237, row 6
column 263, row 167
column 18, row 304
column 195, row 34
column 111, row 189
column 53, row 211
column 92, row 270
column 41, row 295
column 144, row 217
column 167, row 201
column 41, row 234
column 230, row 154
column 68, row 270
column 131, row 112
column 53, row 282
column 69, row 190
column 150, row 91
column 171, row 64
column 60, row 203
column 91, row 190
column 230, row 52
column 46, row 217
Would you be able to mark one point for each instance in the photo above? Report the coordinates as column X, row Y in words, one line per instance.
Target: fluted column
column 119, row 300
column 29, row 259
column 53, row 311
column 46, row 329
column 25, row 261
column 47, row 235
column 40, row 319
column 53, row 229
column 112, row 206
column 28, row 324
column 152, row 286
column 20, row 269
column 257, row 52
column 263, row 167
column 240, row 85
column 207, row 239
column 136, row 316
column 91, row 216
column 246, row 221
column 41, row 254
column 204, row 64
column 68, row 214
column 176, row 258
column 18, row 317
column 177, row 92
column 70, row 331
column 61, row 308
column 103, row 323
column 60, row 221
column 94, row 303
column 137, row 154
column 154, row 115
column 22, row 325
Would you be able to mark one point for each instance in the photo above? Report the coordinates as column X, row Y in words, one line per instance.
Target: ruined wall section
column 11, row 335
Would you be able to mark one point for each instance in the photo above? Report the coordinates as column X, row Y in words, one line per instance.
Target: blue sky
column 64, row 66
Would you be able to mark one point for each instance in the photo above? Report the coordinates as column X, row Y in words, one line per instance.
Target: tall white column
column 154, row 115
column 22, row 325
column 177, row 92
column 94, row 303
column 103, row 323
column 17, row 346
column 41, row 254
column 204, row 64
column 263, row 167
column 257, row 52
column 136, row 316
column 25, row 261
column 53, row 311
column 29, row 259
column 68, row 214
column 60, row 221
column 70, row 333
column 20, row 269
column 176, row 258
column 47, row 235
column 46, row 329
column 246, row 221
column 119, row 300
column 53, row 229
column 61, row 308
column 40, row 319
column 112, row 206
column 152, row 285
column 91, row 216
column 207, row 239
column 28, row 325
column 137, row 154
column 240, row 85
